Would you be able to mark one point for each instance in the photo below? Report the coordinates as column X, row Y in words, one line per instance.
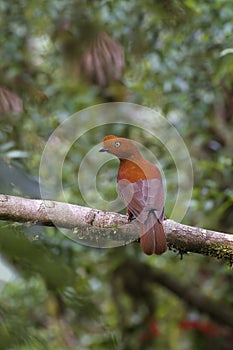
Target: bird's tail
column 152, row 237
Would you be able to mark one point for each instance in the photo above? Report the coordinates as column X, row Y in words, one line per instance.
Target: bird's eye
column 117, row 144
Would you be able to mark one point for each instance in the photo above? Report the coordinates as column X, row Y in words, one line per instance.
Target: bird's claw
column 131, row 217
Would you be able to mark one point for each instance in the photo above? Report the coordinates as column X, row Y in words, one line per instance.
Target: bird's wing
column 143, row 197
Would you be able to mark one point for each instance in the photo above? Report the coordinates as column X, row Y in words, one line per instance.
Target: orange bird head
column 120, row 147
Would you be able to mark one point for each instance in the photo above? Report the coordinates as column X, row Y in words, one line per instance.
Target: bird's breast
column 130, row 171
column 134, row 171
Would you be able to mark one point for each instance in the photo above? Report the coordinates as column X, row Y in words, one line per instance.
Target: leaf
column 17, row 154
column 226, row 51
column 6, row 146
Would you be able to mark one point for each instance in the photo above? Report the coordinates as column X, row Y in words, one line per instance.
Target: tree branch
column 99, row 225
column 135, row 276
column 217, row 310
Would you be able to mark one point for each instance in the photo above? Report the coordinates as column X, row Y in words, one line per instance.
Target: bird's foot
column 131, row 217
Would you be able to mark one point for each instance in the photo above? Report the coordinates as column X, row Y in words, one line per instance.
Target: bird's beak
column 103, row 149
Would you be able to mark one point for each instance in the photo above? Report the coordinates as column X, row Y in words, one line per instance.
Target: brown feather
column 154, row 240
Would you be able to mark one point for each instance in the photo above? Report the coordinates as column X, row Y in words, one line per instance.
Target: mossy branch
column 99, row 226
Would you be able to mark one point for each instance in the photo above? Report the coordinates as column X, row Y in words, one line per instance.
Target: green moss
column 219, row 251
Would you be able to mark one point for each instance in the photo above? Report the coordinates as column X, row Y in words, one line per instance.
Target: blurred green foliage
column 178, row 58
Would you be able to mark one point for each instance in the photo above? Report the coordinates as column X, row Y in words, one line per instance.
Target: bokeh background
column 59, row 57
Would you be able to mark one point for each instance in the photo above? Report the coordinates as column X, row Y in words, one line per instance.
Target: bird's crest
column 109, row 137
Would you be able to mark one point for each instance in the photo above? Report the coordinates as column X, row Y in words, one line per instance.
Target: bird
column 140, row 185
